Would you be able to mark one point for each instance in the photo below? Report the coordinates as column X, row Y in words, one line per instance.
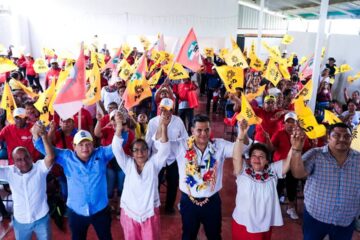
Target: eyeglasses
column 136, row 150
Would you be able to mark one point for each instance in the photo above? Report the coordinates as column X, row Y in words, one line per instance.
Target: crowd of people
column 127, row 154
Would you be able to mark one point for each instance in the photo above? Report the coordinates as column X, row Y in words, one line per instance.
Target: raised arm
column 38, row 130
column 238, row 147
column 163, row 123
column 121, row 157
column 294, row 155
column 97, row 129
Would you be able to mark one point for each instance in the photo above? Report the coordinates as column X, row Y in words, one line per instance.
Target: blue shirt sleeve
column 106, row 153
column 60, row 154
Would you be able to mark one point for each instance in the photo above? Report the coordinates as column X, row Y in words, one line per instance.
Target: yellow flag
column 154, row 79
column 330, row 117
column 145, row 42
column 47, row 52
column 233, row 77
column 252, row 50
column 177, row 72
column 93, row 94
column 6, row 65
column 345, row 68
column 100, row 59
column 126, row 70
column 287, row 39
column 256, row 63
column 126, row 50
column 209, row 52
column 44, row 101
column 18, row 85
column 8, row 103
column 272, row 73
column 351, row 79
column 235, row 58
column 306, row 91
column 233, row 43
column 259, row 91
column 223, row 52
column 274, row 51
column 169, row 56
column 247, row 112
column 323, row 52
column 302, row 60
column 158, row 56
column 290, row 60
column 40, row 65
column 60, row 82
column 284, row 70
column 355, row 144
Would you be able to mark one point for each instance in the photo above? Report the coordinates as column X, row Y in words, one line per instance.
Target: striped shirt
column 332, row 192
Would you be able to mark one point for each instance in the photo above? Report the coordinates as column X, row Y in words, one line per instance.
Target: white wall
column 64, row 24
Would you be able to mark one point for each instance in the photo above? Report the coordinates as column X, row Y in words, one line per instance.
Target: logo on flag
column 193, row 48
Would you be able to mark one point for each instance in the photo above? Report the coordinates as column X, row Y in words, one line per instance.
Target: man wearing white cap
column 280, row 144
column 53, row 73
column 19, row 134
column 85, row 171
column 176, row 130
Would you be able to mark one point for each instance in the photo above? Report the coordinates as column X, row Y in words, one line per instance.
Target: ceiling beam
column 335, row 8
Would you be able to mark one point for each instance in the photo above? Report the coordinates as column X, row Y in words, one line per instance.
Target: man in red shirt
column 53, row 73
column 86, row 121
column 19, row 134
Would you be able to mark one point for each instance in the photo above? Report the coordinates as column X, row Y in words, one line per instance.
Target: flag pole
column 79, row 120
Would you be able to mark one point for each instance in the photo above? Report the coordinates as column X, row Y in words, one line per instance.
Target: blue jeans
column 314, row 229
column 40, row 227
column 114, row 176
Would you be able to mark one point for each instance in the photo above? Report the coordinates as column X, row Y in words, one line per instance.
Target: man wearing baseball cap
column 19, row 134
column 85, row 171
column 176, row 130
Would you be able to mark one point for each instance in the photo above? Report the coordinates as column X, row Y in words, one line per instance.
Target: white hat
column 53, row 60
column 19, row 112
column 167, row 103
column 291, row 115
column 112, row 114
column 82, row 135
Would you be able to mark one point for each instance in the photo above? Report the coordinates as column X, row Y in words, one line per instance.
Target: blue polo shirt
column 87, row 187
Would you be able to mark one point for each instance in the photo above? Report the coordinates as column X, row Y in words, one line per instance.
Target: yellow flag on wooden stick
column 330, row 117
column 44, row 101
column 8, row 103
column 287, row 39
column 233, row 77
column 40, row 66
column 178, row 72
column 259, row 91
column 18, row 85
column 355, row 143
column 306, row 91
column 235, row 58
column 272, row 73
column 247, row 112
column 154, row 79
column 6, row 65
column 93, row 94
column 209, row 52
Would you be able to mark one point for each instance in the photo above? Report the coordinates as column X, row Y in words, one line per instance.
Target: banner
column 189, row 54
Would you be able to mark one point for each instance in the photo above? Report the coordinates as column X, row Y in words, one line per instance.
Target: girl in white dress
column 257, row 204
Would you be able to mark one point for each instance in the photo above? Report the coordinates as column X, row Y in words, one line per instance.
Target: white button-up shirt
column 28, row 191
column 176, row 130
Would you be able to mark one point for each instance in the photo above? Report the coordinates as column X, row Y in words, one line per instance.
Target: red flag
column 189, row 52
column 69, row 99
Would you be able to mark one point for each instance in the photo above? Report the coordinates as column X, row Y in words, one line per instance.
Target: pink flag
column 189, row 52
column 69, row 99
column 161, row 43
column 112, row 62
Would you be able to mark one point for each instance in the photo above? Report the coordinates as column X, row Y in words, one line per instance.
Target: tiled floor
column 171, row 225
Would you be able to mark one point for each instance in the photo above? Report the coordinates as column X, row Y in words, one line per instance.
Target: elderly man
column 85, row 171
column 27, row 182
column 332, row 190
column 176, row 130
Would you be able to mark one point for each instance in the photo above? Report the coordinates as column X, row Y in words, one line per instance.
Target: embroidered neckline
column 263, row 176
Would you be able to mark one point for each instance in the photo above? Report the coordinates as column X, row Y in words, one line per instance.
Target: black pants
column 34, row 81
column 101, row 221
column 291, row 186
column 172, row 181
column 209, row 215
column 187, row 113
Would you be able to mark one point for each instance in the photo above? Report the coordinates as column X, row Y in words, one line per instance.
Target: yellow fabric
column 233, row 77
column 8, row 103
column 247, row 112
column 287, row 39
column 40, row 66
column 93, row 94
column 236, row 58
column 355, row 144
column 18, row 85
column 306, row 91
column 330, row 117
column 6, row 65
column 178, row 72
column 154, row 79
column 272, row 73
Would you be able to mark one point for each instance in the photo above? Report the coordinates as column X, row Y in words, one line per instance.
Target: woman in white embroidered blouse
column 257, row 204
column 140, row 215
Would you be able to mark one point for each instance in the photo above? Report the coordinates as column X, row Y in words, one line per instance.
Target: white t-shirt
column 140, row 195
column 257, row 203
column 176, row 130
column 109, row 97
column 28, row 191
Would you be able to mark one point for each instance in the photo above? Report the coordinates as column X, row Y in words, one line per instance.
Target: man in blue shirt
column 85, row 171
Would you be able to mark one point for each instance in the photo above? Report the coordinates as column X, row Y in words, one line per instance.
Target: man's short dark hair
column 338, row 125
column 200, row 118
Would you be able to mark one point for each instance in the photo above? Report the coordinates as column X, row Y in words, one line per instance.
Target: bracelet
column 296, row 150
column 239, row 139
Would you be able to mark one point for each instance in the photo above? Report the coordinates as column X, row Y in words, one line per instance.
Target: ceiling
column 309, row 9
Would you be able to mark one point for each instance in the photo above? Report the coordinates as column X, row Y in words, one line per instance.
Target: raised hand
column 243, row 128
column 297, row 139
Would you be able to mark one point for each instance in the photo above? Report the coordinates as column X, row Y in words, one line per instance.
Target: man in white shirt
column 201, row 160
column 27, row 182
column 176, row 130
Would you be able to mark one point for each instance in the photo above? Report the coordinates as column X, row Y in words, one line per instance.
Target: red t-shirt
column 281, row 143
column 15, row 137
column 59, row 142
column 50, row 75
column 268, row 124
column 108, row 134
column 30, row 68
column 86, row 120
column 104, row 120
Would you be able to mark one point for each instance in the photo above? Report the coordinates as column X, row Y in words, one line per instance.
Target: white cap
column 82, row 135
column 112, row 114
column 19, row 112
column 291, row 115
column 167, row 103
column 53, row 60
